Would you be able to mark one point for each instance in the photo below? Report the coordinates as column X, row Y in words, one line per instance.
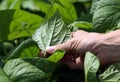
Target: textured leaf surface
column 21, row 71
column 17, row 23
column 56, row 56
column 94, row 5
column 51, row 32
column 91, row 66
column 112, row 74
column 42, row 63
column 4, row 77
column 107, row 15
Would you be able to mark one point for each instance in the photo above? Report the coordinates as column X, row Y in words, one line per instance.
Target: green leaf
column 94, row 5
column 107, row 15
column 81, row 25
column 21, row 71
column 51, row 32
column 67, row 11
column 42, row 63
column 56, row 56
column 42, row 5
column 17, row 23
column 111, row 74
column 29, row 52
column 4, row 77
column 118, row 25
column 91, row 65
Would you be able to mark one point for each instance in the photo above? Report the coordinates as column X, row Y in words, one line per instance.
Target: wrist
column 96, row 42
column 107, row 48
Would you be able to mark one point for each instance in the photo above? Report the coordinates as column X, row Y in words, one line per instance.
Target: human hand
column 76, row 47
column 105, row 46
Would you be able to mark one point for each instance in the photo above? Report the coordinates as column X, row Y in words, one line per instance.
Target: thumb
column 52, row 49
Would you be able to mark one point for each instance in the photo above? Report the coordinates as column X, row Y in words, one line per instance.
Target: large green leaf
column 42, row 63
column 94, row 5
column 21, row 71
column 56, row 56
column 4, row 77
column 17, row 23
column 91, row 66
column 51, row 32
column 111, row 74
column 107, row 15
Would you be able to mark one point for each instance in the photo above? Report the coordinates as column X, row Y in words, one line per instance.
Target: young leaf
column 107, row 15
column 17, row 23
column 56, row 56
column 81, row 25
column 91, row 66
column 21, row 71
column 111, row 74
column 51, row 32
column 4, row 77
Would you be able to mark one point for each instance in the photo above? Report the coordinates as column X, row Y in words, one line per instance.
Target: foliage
column 91, row 66
column 28, row 27
column 54, row 30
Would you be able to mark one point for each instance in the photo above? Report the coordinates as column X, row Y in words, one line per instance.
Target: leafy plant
column 111, row 74
column 28, row 27
column 19, row 70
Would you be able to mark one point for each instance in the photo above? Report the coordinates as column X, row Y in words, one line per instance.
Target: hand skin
column 105, row 46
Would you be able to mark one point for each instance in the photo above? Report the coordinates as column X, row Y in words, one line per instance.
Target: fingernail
column 51, row 49
column 41, row 54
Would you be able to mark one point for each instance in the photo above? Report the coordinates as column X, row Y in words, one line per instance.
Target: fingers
column 52, row 49
column 80, row 62
column 77, row 64
column 66, row 46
